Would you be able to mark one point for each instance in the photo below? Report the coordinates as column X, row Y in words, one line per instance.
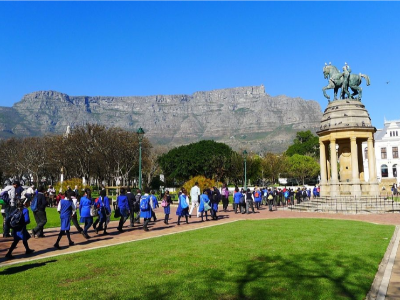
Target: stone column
column 334, row 183
column 354, row 161
column 322, row 161
column 371, row 160
column 334, row 170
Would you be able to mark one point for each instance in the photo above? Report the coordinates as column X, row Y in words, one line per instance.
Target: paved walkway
column 387, row 280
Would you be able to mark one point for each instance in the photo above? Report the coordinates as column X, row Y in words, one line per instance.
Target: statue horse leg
column 356, row 91
column 328, row 87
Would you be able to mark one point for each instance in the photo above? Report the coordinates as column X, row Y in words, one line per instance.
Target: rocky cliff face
column 244, row 118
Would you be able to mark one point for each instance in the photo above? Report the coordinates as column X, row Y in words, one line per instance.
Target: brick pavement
column 44, row 246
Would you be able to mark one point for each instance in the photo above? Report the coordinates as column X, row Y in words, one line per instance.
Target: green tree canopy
column 207, row 158
column 305, row 143
column 302, row 166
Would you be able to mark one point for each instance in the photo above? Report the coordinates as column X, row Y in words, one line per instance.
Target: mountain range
column 242, row 117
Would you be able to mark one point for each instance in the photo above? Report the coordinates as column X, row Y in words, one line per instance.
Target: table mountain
column 243, row 117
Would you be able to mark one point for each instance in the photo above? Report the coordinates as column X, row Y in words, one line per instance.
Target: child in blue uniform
column 65, row 208
column 21, row 235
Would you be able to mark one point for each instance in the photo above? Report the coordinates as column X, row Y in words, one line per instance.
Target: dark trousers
column 74, row 219
column 137, row 218
column 249, row 204
column 225, row 202
column 257, row 204
column 121, row 222
column 145, row 224
column 153, row 215
column 235, row 207
column 14, row 245
column 9, row 210
column 131, row 216
column 166, row 218
column 88, row 223
column 41, row 220
column 270, row 204
column 205, row 214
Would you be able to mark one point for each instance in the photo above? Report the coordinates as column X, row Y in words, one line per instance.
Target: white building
column 387, row 144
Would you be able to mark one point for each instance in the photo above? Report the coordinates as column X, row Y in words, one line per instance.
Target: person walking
column 249, row 201
column 131, row 202
column 183, row 207
column 21, row 234
column 145, row 209
column 215, row 199
column 104, row 211
column 84, row 211
column 138, row 196
column 166, row 203
column 74, row 217
column 204, row 206
column 123, row 205
column 65, row 208
column 236, row 199
column 153, row 204
column 40, row 214
column 194, row 197
column 225, row 197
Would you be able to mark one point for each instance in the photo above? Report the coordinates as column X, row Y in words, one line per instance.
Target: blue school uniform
column 65, row 213
column 123, row 205
column 104, row 208
column 203, row 199
column 155, row 202
column 259, row 198
column 23, row 234
column 183, row 207
column 236, row 197
column 145, row 213
column 84, row 209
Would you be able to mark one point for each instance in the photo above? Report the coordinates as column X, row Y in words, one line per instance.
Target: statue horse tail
column 366, row 77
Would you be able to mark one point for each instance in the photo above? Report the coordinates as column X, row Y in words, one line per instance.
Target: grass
column 263, row 259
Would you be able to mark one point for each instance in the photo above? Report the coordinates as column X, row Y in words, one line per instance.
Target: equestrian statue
column 343, row 81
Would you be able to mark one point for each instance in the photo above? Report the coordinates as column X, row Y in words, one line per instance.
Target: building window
column 395, row 152
column 366, row 153
column 384, row 171
column 395, row 171
column 390, row 133
column 383, row 153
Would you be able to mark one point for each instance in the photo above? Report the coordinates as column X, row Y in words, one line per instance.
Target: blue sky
column 148, row 48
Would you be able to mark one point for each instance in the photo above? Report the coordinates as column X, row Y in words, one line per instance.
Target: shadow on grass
column 14, row 270
column 273, row 277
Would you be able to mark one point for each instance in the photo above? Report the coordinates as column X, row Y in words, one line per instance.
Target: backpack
column 304, row 194
column 241, row 201
column 257, row 194
column 144, row 203
column 34, row 204
column 286, row 194
column 17, row 220
column 265, row 194
column 270, row 197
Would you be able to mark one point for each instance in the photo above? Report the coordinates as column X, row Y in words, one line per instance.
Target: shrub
column 203, row 183
column 72, row 183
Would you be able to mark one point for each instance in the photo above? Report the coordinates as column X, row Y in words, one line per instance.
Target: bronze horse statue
column 336, row 82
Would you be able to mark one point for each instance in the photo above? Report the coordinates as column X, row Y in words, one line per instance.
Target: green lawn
column 264, row 259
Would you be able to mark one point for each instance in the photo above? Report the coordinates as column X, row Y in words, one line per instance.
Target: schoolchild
column 145, row 209
column 154, row 205
column 40, row 215
column 103, row 204
column 123, row 205
column 65, row 208
column 204, row 206
column 225, row 197
column 249, row 201
column 131, row 202
column 215, row 198
column 74, row 216
column 166, row 203
column 22, row 234
column 257, row 198
column 84, row 211
column 183, row 207
column 236, row 199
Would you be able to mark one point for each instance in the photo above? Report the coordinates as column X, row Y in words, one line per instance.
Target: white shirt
column 195, row 193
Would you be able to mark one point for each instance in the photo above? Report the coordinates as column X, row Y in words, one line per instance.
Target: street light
column 245, row 172
column 140, row 133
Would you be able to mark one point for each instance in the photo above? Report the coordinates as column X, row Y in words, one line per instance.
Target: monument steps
column 347, row 205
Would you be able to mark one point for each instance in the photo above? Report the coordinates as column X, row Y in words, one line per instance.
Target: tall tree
column 305, row 143
column 302, row 167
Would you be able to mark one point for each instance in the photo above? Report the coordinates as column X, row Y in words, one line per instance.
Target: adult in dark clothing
column 167, row 206
column 136, row 209
column 249, row 201
column 216, row 198
column 298, row 196
column 270, row 198
column 40, row 213
column 131, row 202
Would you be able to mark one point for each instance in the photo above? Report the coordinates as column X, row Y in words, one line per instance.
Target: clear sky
column 148, row 48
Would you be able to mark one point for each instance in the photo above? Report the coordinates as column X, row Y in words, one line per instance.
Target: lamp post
column 245, row 171
column 140, row 133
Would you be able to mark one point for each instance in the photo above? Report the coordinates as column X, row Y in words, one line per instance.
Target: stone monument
column 345, row 125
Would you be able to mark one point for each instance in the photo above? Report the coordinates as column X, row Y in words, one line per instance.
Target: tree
column 302, row 166
column 273, row 165
column 207, row 158
column 305, row 143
